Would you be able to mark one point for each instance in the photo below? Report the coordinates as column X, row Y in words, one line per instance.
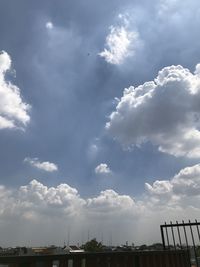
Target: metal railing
column 184, row 235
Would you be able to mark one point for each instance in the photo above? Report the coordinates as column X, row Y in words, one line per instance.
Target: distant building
column 52, row 250
column 72, row 249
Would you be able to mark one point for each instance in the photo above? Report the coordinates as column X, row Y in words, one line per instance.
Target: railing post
column 162, row 236
column 179, row 236
column 173, row 236
column 194, row 246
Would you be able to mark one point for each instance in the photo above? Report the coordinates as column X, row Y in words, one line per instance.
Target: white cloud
column 45, row 166
column 38, row 209
column 109, row 203
column 120, row 44
column 53, row 200
column 159, row 187
column 182, row 190
column 165, row 111
column 49, row 25
column 13, row 111
column 187, row 181
column 93, row 149
column 102, row 169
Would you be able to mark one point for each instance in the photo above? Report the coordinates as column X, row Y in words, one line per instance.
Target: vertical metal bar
column 186, row 240
column 179, row 236
column 167, row 235
column 193, row 242
column 173, row 236
column 162, row 236
column 197, row 224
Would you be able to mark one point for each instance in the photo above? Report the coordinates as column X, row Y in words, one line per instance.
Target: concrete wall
column 179, row 258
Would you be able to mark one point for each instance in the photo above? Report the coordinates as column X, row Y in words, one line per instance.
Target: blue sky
column 99, row 119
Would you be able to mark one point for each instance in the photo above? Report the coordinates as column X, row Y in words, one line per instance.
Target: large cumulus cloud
column 109, row 203
column 13, row 111
column 33, row 210
column 182, row 190
column 165, row 111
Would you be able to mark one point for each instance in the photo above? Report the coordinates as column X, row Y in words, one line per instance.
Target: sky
column 99, row 119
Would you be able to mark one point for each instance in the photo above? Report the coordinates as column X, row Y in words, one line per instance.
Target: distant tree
column 143, row 247
column 93, row 246
column 156, row 246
